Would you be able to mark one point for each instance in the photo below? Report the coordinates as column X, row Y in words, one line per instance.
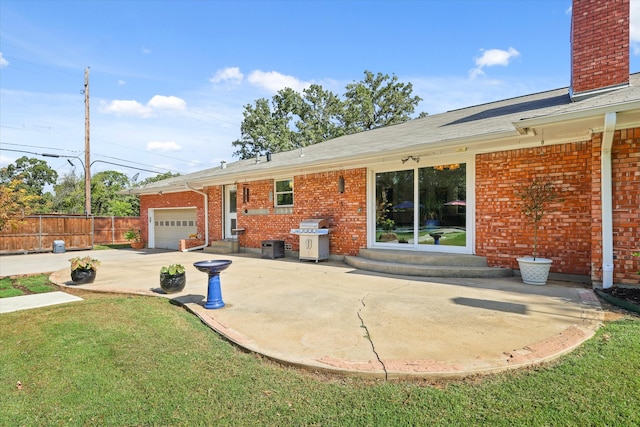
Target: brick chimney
column 599, row 47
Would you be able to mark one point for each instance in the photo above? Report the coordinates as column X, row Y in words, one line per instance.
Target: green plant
column 638, row 255
column 133, row 235
column 172, row 270
column 387, row 224
column 536, row 198
column 84, row 263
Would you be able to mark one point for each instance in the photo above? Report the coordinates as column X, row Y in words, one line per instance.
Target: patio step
column 411, row 263
column 227, row 246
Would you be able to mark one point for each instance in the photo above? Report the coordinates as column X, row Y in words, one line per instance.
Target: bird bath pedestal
column 213, row 269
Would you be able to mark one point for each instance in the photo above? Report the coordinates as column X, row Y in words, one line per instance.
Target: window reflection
column 437, row 217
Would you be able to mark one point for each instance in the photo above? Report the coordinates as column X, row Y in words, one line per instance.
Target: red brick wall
column 572, row 235
column 215, row 212
column 599, row 44
column 315, row 196
column 171, row 200
column 626, row 205
column 503, row 234
column 625, row 159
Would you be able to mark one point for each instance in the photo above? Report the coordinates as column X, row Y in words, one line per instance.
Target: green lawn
column 35, row 284
column 450, row 239
column 113, row 360
column 98, row 247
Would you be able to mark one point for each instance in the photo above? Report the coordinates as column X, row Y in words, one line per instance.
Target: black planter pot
column 83, row 275
column 172, row 283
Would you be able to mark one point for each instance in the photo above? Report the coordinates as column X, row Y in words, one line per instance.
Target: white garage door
column 171, row 225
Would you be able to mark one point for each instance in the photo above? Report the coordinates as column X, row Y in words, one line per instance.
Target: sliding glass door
column 423, row 207
column 395, row 210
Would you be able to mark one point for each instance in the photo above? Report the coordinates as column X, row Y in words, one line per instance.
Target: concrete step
column 423, row 258
column 227, row 246
column 411, row 263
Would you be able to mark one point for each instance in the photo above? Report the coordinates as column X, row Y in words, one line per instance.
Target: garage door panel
column 172, row 225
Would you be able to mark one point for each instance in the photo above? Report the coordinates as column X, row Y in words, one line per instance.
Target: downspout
column 606, row 194
column 206, row 219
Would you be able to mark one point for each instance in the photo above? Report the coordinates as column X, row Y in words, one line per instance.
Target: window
column 435, row 214
column 284, row 192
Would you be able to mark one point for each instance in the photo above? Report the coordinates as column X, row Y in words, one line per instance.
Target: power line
column 77, row 152
column 44, row 129
column 95, row 161
column 143, row 164
column 37, row 146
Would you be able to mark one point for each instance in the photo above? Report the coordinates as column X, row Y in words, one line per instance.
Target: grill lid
column 313, row 223
column 309, row 231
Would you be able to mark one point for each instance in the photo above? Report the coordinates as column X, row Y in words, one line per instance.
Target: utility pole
column 87, row 152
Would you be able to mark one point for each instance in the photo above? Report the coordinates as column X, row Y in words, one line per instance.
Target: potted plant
column 135, row 238
column 536, row 199
column 83, row 269
column 172, row 278
column 388, row 235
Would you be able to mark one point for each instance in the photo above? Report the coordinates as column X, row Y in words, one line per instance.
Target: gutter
column 585, row 113
column 606, row 194
column 206, row 219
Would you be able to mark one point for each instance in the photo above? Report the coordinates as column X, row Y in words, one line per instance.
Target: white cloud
column 492, row 57
column 496, row 57
column 167, row 102
column 274, row 81
column 121, row 107
column 163, row 146
column 229, row 74
column 121, row 83
column 3, row 62
column 146, row 51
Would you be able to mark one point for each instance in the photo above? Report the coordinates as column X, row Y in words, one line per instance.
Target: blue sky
column 169, row 79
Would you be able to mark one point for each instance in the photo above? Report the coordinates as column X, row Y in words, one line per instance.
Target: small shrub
column 172, row 269
column 84, row 263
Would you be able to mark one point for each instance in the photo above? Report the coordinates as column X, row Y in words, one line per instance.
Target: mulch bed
column 623, row 301
column 629, row 294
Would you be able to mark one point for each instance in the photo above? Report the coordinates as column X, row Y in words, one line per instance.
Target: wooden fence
column 38, row 232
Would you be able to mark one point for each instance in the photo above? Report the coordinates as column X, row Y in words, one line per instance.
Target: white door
column 230, row 211
column 172, row 225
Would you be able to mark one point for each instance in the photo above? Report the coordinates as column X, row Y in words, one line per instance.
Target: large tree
column 69, row 195
column 264, row 130
column 31, row 176
column 156, row 178
column 105, row 194
column 320, row 116
column 106, row 197
column 292, row 120
column 378, row 100
column 15, row 203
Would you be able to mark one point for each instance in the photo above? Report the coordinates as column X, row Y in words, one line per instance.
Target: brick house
column 453, row 172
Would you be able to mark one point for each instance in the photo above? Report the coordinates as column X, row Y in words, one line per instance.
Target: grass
column 450, row 239
column 16, row 286
column 113, row 360
column 113, row 246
